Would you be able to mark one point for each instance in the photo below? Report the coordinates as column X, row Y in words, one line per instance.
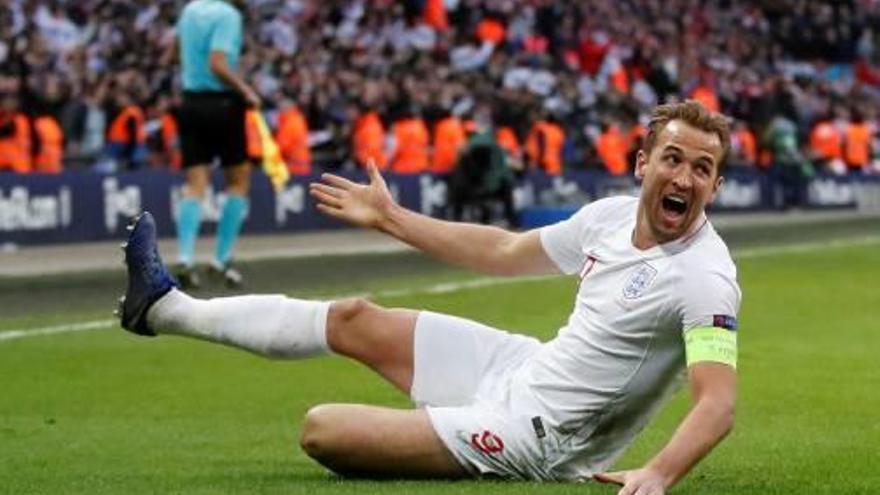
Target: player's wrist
column 667, row 477
column 389, row 218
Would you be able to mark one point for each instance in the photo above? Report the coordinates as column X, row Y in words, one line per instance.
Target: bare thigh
column 372, row 441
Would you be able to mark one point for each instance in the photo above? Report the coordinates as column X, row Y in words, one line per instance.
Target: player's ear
column 641, row 164
column 716, row 187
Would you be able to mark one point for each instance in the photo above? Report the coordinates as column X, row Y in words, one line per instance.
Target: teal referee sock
column 231, row 219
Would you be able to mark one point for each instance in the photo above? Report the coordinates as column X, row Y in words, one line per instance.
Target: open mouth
column 675, row 204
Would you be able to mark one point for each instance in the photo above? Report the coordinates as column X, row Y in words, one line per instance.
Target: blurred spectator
column 482, row 180
column 544, row 145
column 857, row 139
column 293, row 139
column 509, row 142
column 15, row 135
column 127, row 134
column 169, row 133
column 826, row 146
column 48, row 143
column 368, row 139
column 449, row 139
column 612, row 149
column 744, row 145
column 411, row 141
column 791, row 167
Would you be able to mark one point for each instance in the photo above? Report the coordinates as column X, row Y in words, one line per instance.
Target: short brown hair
column 694, row 114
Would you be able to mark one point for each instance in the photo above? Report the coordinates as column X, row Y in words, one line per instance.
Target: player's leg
column 270, row 325
column 380, row 338
column 281, row 327
column 389, row 341
column 371, row 441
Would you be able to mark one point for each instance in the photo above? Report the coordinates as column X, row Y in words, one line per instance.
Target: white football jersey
column 621, row 353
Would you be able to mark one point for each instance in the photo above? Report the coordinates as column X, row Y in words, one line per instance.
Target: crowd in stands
column 91, row 84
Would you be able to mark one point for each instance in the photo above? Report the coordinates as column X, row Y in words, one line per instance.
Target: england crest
column 639, row 281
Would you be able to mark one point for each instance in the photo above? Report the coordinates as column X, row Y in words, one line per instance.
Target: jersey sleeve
column 709, row 308
column 707, row 296
column 564, row 241
column 227, row 33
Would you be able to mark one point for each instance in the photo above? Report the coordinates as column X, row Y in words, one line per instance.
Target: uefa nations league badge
column 639, row 281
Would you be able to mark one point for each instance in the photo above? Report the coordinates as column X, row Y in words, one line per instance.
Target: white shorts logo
column 640, row 280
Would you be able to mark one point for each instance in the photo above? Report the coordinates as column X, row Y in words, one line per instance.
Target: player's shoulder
column 706, row 265
column 708, row 251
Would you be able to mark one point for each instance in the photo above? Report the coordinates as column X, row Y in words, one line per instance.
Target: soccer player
column 657, row 298
column 212, row 123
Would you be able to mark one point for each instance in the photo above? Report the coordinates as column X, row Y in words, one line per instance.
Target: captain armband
column 713, row 344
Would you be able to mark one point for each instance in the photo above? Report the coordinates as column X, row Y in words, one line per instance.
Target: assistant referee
column 212, row 127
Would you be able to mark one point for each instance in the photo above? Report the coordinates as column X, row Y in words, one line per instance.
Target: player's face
column 680, row 177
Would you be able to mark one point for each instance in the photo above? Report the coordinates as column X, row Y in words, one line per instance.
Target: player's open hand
column 635, row 481
column 365, row 205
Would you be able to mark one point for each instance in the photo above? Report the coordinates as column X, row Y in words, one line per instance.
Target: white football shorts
column 463, row 377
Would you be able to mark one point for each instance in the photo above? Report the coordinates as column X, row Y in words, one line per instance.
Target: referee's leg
column 232, row 218
column 189, row 220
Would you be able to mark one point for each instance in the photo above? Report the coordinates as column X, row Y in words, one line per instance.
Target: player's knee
column 344, row 319
column 347, row 310
column 317, row 437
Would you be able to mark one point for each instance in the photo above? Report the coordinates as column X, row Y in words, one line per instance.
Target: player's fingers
column 330, row 211
column 627, row 490
column 615, row 477
column 324, row 198
column 324, row 188
column 649, row 490
column 340, row 182
column 373, row 171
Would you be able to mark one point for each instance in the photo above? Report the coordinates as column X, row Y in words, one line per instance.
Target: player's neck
column 644, row 238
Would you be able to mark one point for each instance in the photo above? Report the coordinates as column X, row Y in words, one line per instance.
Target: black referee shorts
column 212, row 126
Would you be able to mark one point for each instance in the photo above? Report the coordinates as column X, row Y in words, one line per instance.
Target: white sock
column 269, row 325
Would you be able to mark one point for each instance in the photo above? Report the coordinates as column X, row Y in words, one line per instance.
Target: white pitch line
column 70, row 327
column 805, row 247
column 476, row 283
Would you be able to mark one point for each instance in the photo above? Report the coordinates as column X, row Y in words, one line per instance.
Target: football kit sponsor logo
column 487, row 442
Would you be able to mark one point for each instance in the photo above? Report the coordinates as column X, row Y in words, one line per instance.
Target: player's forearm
column 708, row 422
column 481, row 248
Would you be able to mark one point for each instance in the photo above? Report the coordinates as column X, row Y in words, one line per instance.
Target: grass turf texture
column 106, row 412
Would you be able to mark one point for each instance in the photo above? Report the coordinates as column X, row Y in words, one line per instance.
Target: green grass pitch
column 106, row 412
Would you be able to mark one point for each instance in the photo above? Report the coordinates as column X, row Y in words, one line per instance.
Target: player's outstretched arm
column 710, row 419
column 478, row 247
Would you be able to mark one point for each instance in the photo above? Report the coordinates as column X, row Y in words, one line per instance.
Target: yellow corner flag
column 273, row 165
